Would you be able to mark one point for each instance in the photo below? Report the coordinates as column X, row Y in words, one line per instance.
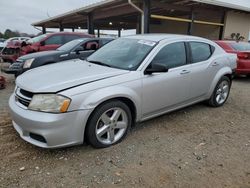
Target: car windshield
column 70, row 45
column 37, row 39
column 241, row 46
column 123, row 53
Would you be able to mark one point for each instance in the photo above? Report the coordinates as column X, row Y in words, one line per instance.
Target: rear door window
column 91, row 45
column 56, row 39
column 200, row 51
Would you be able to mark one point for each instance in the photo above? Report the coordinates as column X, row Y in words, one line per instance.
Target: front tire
column 109, row 124
column 221, row 92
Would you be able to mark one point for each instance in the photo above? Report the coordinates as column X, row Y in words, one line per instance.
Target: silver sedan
column 129, row 80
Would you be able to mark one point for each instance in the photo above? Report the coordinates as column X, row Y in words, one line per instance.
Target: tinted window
column 172, row 55
column 57, row 39
column 93, row 45
column 200, row 51
column 70, row 45
column 37, row 39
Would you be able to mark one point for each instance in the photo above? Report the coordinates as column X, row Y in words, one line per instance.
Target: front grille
column 10, row 51
column 16, row 66
column 23, row 97
column 26, row 93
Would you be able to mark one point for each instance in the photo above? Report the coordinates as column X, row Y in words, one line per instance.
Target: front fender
column 220, row 73
column 43, row 61
column 91, row 100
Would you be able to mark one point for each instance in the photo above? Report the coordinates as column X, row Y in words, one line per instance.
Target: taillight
column 243, row 55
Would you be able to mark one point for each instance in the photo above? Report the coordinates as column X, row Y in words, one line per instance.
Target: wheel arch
column 131, row 105
column 226, row 71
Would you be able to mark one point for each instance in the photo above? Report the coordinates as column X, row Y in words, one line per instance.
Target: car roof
column 69, row 33
column 160, row 37
column 91, row 39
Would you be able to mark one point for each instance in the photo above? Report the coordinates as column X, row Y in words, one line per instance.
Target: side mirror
column 42, row 43
column 156, row 68
column 79, row 49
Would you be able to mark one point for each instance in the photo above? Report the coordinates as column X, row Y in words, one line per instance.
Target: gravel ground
column 198, row 146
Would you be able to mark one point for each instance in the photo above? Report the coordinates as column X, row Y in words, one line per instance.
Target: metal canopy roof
column 78, row 17
column 123, row 15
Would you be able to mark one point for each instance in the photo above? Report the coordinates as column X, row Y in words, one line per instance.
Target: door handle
column 185, row 71
column 215, row 64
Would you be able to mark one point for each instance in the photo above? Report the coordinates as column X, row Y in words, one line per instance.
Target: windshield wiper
column 98, row 63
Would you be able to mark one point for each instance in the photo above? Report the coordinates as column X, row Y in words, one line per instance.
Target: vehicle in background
column 2, row 44
column 43, row 42
column 19, row 39
column 131, row 79
column 2, row 82
column 79, row 48
column 242, row 49
column 51, row 41
column 12, row 46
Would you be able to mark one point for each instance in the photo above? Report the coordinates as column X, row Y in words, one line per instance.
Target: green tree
column 8, row 34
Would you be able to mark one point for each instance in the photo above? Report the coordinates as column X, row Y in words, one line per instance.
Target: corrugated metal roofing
column 90, row 4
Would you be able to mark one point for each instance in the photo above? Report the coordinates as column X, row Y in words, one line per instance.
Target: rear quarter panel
column 229, row 65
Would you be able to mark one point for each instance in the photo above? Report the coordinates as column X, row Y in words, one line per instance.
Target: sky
column 20, row 14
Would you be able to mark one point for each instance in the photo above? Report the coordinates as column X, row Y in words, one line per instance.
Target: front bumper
column 57, row 130
column 15, row 68
column 9, row 58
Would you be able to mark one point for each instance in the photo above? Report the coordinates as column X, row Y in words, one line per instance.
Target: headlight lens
column 49, row 103
column 28, row 63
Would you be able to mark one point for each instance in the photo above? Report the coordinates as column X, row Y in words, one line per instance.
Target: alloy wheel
column 222, row 92
column 111, row 126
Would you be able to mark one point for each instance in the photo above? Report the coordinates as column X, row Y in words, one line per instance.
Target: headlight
column 49, row 103
column 28, row 63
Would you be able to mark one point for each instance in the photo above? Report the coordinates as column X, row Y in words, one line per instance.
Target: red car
column 11, row 52
column 43, row 42
column 242, row 49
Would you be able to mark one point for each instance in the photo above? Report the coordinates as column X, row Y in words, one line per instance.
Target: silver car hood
column 64, row 75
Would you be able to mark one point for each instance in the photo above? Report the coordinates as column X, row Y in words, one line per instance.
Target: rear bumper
column 243, row 71
column 243, row 66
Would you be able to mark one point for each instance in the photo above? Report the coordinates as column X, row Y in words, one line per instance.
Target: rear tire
column 109, row 124
column 220, row 93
